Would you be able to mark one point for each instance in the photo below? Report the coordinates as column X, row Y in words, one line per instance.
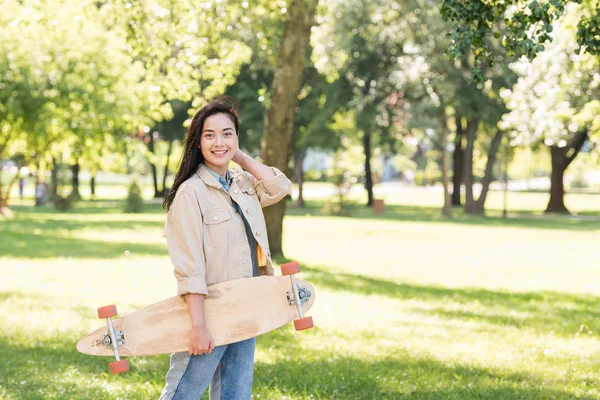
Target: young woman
column 216, row 232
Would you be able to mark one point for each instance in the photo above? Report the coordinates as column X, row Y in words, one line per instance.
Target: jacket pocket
column 216, row 225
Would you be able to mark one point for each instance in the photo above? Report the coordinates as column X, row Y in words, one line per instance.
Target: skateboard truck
column 114, row 338
column 297, row 296
column 302, row 292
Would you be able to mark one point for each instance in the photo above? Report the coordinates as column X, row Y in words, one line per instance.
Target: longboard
column 234, row 311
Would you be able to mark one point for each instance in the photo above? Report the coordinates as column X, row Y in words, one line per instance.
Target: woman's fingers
column 196, row 351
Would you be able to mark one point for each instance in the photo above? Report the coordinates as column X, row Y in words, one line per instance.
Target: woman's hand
column 239, row 158
column 200, row 341
column 258, row 170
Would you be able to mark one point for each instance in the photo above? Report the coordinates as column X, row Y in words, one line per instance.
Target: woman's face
column 219, row 142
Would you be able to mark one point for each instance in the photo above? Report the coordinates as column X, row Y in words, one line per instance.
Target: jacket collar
column 208, row 178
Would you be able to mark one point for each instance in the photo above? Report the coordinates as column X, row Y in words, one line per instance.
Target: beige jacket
column 206, row 237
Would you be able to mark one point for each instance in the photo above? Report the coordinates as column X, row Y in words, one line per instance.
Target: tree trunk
column 6, row 196
column 93, row 183
column 54, row 178
column 560, row 161
column 472, row 125
column 368, row 172
column 153, row 166
column 447, row 209
column 557, row 189
column 457, row 162
column 278, row 129
column 299, row 157
column 164, row 182
column 75, row 180
column 487, row 177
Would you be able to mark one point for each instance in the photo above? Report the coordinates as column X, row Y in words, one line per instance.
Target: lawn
column 409, row 305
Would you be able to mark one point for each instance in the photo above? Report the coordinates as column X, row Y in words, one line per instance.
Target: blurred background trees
column 420, row 89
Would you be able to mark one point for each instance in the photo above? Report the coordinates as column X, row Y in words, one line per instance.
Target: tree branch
column 577, row 144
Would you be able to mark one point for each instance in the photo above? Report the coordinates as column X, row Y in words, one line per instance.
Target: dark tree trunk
column 93, row 183
column 153, row 166
column 472, row 125
column 479, row 207
column 457, row 162
column 299, row 156
column 54, row 178
column 557, row 188
column 368, row 173
column 447, row 208
column 562, row 157
column 75, row 180
column 278, row 129
column 166, row 173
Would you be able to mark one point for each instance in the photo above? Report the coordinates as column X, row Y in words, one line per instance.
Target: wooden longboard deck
column 234, row 311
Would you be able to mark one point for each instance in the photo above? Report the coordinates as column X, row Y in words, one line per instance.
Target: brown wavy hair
column 192, row 155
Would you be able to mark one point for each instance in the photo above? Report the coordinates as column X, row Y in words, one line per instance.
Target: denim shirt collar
column 223, row 181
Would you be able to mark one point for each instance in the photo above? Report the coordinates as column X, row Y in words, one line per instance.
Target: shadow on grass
column 329, row 375
column 52, row 225
column 517, row 219
column 35, row 234
column 88, row 207
column 50, row 246
column 53, row 369
column 561, row 313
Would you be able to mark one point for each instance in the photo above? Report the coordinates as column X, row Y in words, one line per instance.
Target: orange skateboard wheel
column 117, row 367
column 290, row 268
column 107, row 311
column 303, row 323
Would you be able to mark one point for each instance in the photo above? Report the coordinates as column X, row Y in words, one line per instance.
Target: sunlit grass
column 409, row 305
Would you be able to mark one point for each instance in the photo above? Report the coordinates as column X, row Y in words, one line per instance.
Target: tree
column 361, row 42
column 190, row 52
column 524, row 26
column 555, row 104
column 169, row 130
column 69, row 82
column 319, row 102
column 442, row 96
column 278, row 128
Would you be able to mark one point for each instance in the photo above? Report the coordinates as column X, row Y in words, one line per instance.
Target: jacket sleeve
column 184, row 242
column 272, row 190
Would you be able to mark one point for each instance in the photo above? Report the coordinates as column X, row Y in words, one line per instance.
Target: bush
column 134, row 202
column 342, row 179
column 64, row 203
column 337, row 207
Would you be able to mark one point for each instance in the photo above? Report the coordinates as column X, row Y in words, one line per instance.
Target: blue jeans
column 228, row 369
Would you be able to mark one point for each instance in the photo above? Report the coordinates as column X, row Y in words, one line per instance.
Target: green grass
column 409, row 305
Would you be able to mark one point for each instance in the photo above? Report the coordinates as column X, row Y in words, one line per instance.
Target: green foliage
column 588, row 33
column 251, row 90
column 523, row 28
column 556, row 95
column 71, row 88
column 134, row 203
column 186, row 53
column 356, row 47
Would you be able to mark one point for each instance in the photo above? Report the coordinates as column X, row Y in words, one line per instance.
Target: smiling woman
column 216, row 232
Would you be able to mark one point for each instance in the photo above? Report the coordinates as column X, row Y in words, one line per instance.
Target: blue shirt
column 251, row 241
